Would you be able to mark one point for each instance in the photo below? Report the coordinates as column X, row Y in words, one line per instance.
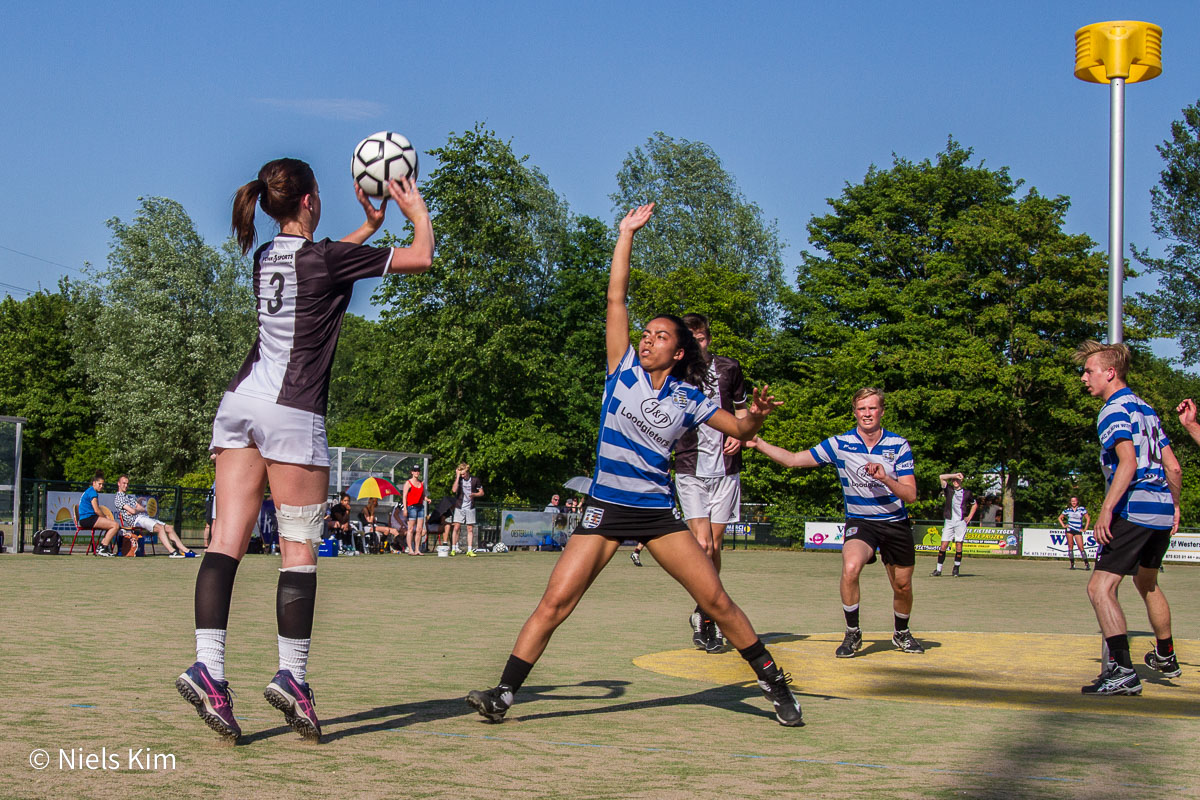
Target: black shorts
column 88, row 523
column 893, row 539
column 1132, row 546
column 618, row 522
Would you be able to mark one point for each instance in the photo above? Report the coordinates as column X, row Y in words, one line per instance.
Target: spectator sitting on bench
column 369, row 519
column 132, row 512
column 337, row 522
column 91, row 518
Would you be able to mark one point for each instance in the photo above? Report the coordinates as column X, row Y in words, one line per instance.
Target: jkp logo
column 655, row 414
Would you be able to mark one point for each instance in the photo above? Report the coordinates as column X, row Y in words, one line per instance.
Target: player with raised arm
column 956, row 517
column 876, row 471
column 271, row 424
column 1075, row 519
column 1135, row 523
column 650, row 399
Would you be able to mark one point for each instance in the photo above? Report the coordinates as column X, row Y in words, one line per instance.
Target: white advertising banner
column 1052, row 543
column 824, row 535
column 533, row 528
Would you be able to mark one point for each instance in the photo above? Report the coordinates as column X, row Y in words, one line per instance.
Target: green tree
column 40, row 381
column 708, row 249
column 171, row 319
column 964, row 301
column 473, row 351
column 1175, row 220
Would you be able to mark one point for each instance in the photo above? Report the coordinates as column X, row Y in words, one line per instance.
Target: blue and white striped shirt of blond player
column 1075, row 517
column 1148, row 501
column 638, row 427
column 865, row 497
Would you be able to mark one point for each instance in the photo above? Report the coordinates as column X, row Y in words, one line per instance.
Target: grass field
column 620, row 706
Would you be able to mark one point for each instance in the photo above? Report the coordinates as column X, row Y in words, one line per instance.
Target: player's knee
column 303, row 524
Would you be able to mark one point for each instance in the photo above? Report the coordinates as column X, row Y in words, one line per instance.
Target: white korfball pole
column 1116, row 211
column 1117, row 53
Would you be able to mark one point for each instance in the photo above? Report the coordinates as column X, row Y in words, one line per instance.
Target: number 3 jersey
column 638, row 427
column 302, row 289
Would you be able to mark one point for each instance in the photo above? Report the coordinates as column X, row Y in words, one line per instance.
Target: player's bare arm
column 904, row 487
column 787, row 458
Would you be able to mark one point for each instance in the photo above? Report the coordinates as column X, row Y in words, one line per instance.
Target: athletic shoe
column 1167, row 665
column 905, row 642
column 295, row 699
column 104, row 550
column 1087, row 567
column 636, row 558
column 492, row 704
column 1118, row 680
column 697, row 623
column 472, row 552
column 211, row 698
column 954, row 574
column 776, row 689
column 714, row 642
column 453, row 551
column 190, row 554
column 177, row 554
column 937, row 573
column 1072, row 565
column 851, row 644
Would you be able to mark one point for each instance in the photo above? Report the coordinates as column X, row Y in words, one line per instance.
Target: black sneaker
column 697, row 623
column 104, row 550
column 776, row 689
column 1167, row 665
column 1087, row 567
column 954, row 574
column 714, row 642
column 1118, row 680
column 851, row 644
column 937, row 573
column 905, row 642
column 636, row 558
column 1072, row 565
column 492, row 704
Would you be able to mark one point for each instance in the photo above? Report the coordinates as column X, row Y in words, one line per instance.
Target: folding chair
column 78, row 530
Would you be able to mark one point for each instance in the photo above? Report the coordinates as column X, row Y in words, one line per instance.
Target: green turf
column 399, row 640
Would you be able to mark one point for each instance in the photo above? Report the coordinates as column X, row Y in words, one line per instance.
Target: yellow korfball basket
column 1122, row 49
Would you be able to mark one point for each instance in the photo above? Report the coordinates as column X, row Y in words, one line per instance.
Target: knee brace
column 301, row 523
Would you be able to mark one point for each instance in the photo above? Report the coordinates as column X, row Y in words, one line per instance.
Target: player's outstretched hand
column 752, row 443
column 636, row 219
column 407, row 197
column 1187, row 413
column 374, row 215
column 764, row 402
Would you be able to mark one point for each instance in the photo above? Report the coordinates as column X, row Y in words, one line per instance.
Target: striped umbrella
column 371, row 487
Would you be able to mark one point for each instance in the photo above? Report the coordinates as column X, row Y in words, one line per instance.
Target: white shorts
column 146, row 523
column 280, row 433
column 719, row 499
column 463, row 516
column 954, row 531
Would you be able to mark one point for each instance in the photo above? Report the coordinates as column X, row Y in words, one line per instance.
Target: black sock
column 901, row 623
column 515, row 673
column 957, row 560
column 1118, row 649
column 759, row 659
column 295, row 597
column 851, row 616
column 1165, row 647
column 941, row 557
column 214, row 589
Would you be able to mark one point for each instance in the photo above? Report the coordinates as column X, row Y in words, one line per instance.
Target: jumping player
column 1135, row 523
column 271, row 423
column 650, row 399
column 876, row 469
column 1075, row 519
column 708, row 469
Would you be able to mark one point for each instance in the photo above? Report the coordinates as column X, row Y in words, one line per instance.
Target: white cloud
column 328, row 108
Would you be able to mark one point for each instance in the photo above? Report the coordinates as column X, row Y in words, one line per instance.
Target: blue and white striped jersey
column 867, row 498
column 638, row 428
column 1148, row 501
column 1075, row 517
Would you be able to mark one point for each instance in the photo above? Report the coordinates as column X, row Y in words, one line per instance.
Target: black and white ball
column 380, row 158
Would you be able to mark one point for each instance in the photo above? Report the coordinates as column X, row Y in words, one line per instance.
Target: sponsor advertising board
column 1052, row 543
column 823, row 535
column 531, row 528
column 976, row 542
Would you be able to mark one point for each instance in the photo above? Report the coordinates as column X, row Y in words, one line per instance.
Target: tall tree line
column 942, row 281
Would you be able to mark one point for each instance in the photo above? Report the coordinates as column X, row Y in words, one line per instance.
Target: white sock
column 293, row 656
column 210, row 650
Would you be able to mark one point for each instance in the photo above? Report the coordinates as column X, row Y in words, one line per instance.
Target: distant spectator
column 552, row 507
column 337, row 522
column 416, row 502
column 467, row 489
column 991, row 511
column 380, row 533
column 92, row 518
column 268, row 525
column 398, row 519
column 133, row 515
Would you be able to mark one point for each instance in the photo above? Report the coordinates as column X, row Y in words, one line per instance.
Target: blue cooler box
column 328, row 547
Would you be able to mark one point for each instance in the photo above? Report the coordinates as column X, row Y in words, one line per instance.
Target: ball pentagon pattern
column 381, row 157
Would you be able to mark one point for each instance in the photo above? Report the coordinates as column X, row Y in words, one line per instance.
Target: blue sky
column 106, row 104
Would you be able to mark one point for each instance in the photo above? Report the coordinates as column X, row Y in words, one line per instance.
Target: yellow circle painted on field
column 1024, row 671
